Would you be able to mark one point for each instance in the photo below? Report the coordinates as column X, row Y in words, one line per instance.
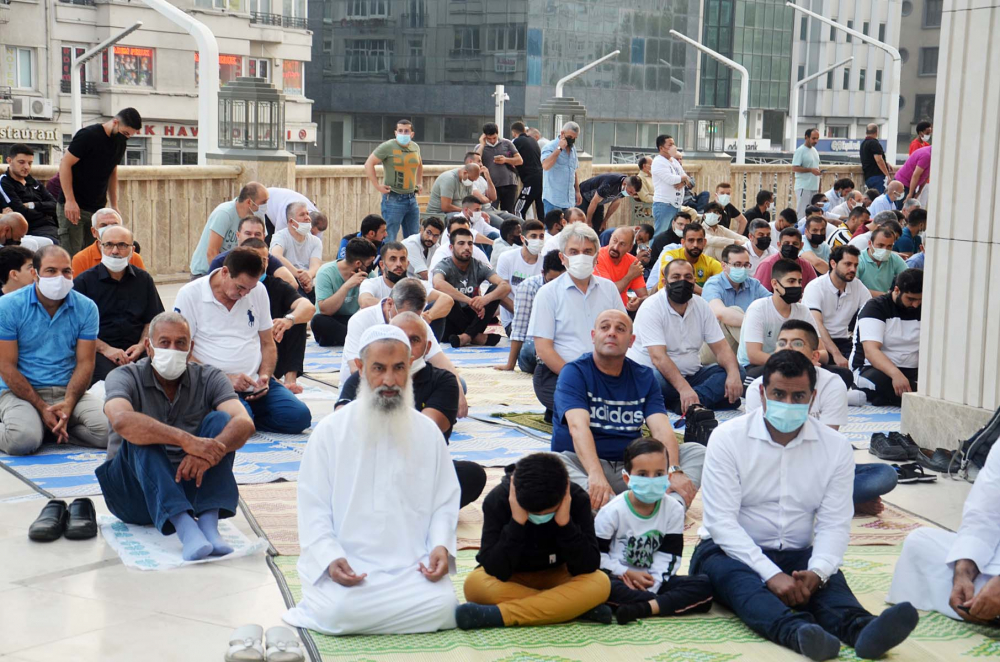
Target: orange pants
column 539, row 598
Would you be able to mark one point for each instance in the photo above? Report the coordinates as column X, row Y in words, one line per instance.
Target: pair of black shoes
column 76, row 522
column 894, row 447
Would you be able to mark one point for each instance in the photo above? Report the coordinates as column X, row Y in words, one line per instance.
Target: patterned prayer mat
column 327, row 359
column 492, row 445
column 714, row 637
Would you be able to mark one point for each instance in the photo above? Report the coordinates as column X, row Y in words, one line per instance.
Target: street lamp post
column 561, row 83
column 897, row 66
column 794, row 110
column 78, row 62
column 501, row 97
column 741, row 126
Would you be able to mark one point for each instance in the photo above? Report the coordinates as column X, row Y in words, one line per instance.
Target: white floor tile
column 263, row 606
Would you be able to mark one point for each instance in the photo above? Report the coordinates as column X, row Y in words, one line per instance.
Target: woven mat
column 537, row 422
column 714, row 637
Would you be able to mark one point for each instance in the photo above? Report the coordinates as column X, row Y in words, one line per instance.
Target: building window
column 804, row 28
column 923, row 108
column 466, row 41
column 259, row 67
column 368, row 56
column 135, row 152
column 861, row 79
column 928, row 61
column 932, row 13
column 881, row 32
column 230, row 67
column 802, row 72
column 865, row 27
column 416, row 12
column 847, row 35
column 300, row 150
column 505, row 38
column 833, row 32
column 231, row 5
column 19, row 68
column 878, row 80
column 367, row 8
column 907, row 9
column 836, row 131
column 291, row 75
column 847, row 78
column 133, row 66
column 177, row 151
column 829, row 80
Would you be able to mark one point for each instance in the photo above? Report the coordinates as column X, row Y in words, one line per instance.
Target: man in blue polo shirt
column 729, row 294
column 560, row 183
column 602, row 401
column 48, row 341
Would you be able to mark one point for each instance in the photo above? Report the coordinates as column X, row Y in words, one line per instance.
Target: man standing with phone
column 805, row 165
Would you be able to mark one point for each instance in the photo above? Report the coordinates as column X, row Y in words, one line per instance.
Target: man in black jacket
column 24, row 195
column 539, row 558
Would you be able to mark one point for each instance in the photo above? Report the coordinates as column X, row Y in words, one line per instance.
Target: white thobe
column 926, row 568
column 383, row 504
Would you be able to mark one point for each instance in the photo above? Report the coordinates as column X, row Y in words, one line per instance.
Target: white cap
column 383, row 332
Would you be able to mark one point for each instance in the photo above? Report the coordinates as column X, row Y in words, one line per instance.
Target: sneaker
column 906, row 441
column 856, row 398
column 699, row 422
column 887, row 449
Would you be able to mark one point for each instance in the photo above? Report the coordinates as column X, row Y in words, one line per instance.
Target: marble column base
column 934, row 423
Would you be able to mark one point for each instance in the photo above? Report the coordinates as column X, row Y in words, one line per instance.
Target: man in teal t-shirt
column 805, row 165
column 337, row 288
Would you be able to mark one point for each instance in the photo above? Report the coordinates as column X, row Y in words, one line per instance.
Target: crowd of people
column 695, row 313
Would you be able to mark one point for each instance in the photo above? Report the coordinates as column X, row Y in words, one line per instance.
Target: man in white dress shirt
column 957, row 574
column 669, row 180
column 777, row 490
column 378, row 508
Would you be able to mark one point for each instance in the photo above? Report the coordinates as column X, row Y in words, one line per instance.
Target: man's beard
column 385, row 414
column 694, row 253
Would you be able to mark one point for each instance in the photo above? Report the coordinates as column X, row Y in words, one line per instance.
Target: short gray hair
column 571, row 126
column 884, row 217
column 912, row 203
column 409, row 294
column 168, row 317
column 105, row 211
column 290, row 209
column 578, row 231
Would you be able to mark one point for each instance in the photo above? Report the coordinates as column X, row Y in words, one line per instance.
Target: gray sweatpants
column 22, row 429
column 692, row 460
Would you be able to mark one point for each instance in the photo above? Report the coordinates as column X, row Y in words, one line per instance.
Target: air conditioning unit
column 41, row 109
column 22, row 107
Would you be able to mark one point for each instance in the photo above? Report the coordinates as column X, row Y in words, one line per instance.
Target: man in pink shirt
column 913, row 175
column 789, row 247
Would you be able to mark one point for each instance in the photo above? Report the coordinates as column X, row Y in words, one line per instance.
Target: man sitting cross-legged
column 601, row 403
column 378, row 508
column 175, row 430
column 299, row 251
column 522, row 347
column 539, row 558
column 435, row 395
column 641, row 536
column 777, row 502
column 338, row 286
column 394, row 267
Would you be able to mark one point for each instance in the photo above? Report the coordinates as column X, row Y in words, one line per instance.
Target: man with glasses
column 729, row 294
column 224, row 222
column 91, row 256
column 126, row 300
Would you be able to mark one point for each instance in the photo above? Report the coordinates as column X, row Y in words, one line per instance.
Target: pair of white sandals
column 246, row 644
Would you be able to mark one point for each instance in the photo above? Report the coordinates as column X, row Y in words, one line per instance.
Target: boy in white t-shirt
column 298, row 249
column 641, row 538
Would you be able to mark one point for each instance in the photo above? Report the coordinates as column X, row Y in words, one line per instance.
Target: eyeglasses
column 794, row 344
column 121, row 246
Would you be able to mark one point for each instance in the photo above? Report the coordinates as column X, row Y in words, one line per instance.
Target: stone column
column 960, row 331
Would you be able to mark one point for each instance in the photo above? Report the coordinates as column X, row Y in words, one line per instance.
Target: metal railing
column 86, row 87
column 88, row 3
column 277, row 20
column 5, row 91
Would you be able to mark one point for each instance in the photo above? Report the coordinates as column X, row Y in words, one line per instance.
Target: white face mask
column 259, row 213
column 712, row 219
column 304, row 228
column 169, row 363
column 100, row 231
column 925, row 137
column 114, row 263
column 580, row 266
column 54, row 287
column 417, row 365
column 534, row 246
column 724, row 199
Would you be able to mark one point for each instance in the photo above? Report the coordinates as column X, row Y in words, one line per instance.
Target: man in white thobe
column 378, row 508
column 957, row 574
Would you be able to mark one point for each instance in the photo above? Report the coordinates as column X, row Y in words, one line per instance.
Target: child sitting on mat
column 641, row 537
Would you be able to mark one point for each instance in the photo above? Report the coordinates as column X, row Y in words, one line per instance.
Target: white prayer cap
column 383, row 332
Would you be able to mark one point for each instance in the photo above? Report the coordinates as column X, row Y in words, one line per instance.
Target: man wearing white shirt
column 276, row 210
column 835, row 299
column 838, row 213
column 444, row 249
column 420, row 247
column 669, row 180
column 776, row 489
column 565, row 310
column 887, row 201
column 761, row 244
column 670, row 329
column 230, row 319
column 519, row 264
column 842, row 190
column 554, row 222
column 957, row 574
column 298, row 249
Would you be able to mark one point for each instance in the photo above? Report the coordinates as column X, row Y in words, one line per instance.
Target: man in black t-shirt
column 89, row 175
column 733, row 217
column 873, row 163
column 602, row 189
column 530, row 172
column 762, row 210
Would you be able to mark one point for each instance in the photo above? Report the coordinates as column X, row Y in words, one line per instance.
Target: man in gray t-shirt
column 500, row 157
column 460, row 277
column 175, row 429
column 450, row 187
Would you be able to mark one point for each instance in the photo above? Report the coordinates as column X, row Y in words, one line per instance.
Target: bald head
column 612, row 336
column 621, row 243
column 117, row 234
column 871, row 130
column 415, row 328
column 13, row 227
column 894, row 188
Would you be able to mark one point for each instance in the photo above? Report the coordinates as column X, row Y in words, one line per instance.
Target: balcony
column 4, row 11
column 277, row 20
column 87, row 3
column 86, row 87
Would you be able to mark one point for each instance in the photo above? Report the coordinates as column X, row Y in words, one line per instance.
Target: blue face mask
column 738, row 274
column 649, row 489
column 403, row 139
column 540, row 519
column 785, row 417
column 262, row 277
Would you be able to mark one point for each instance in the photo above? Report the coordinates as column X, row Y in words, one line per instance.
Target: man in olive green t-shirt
column 451, row 188
column 403, row 172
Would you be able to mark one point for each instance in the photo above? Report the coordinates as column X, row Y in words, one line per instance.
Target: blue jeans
column 606, row 236
column 663, row 217
column 139, row 487
column 278, row 411
column 877, row 182
column 872, row 480
column 738, row 586
column 400, row 210
column 709, row 383
column 527, row 359
column 548, row 206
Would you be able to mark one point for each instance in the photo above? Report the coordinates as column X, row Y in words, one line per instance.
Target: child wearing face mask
column 641, row 536
column 539, row 559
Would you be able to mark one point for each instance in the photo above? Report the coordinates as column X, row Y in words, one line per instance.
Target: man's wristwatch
column 290, row 317
column 823, row 578
column 675, row 469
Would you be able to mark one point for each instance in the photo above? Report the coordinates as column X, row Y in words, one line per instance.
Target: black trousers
column 506, row 198
column 598, row 218
column 102, row 366
column 330, row 330
column 463, row 319
column 531, row 194
column 471, row 479
column 878, row 386
column 845, row 345
column 544, row 382
column 291, row 352
column 677, row 595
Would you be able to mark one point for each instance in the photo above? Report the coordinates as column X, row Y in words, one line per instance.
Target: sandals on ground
column 912, row 473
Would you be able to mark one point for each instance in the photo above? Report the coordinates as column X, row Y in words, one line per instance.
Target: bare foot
column 293, row 387
column 873, row 507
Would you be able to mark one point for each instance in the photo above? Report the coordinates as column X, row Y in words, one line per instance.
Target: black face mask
column 792, row 295
column 789, row 252
column 763, row 243
column 680, row 291
column 817, row 239
column 569, row 140
column 394, row 277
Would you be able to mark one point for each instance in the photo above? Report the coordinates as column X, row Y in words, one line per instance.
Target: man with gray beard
column 378, row 506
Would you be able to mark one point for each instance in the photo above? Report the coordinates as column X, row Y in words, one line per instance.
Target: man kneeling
column 175, row 430
column 539, row 559
column 378, row 508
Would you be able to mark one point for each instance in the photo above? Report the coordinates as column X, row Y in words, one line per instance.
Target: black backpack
column 972, row 457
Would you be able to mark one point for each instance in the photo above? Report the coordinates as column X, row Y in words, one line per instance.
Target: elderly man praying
column 378, row 508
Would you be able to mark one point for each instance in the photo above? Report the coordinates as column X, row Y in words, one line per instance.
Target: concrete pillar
column 960, row 331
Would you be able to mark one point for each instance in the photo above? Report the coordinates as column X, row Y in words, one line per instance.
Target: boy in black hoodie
column 539, row 559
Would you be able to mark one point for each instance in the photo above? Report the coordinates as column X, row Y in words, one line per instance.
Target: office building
column 918, row 48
